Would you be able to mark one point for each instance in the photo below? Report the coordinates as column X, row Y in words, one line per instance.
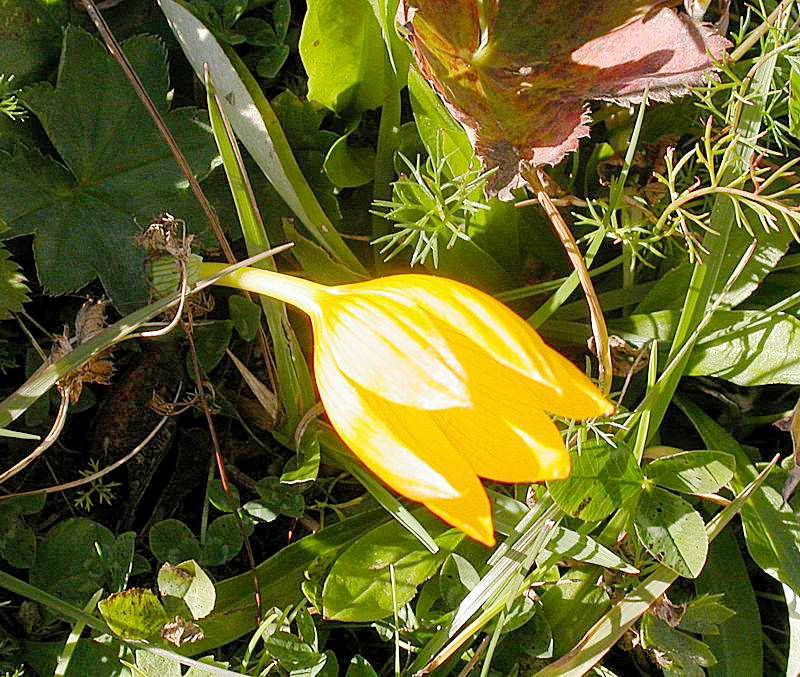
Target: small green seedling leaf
column 172, row 541
column 17, row 542
column 245, row 315
column 456, row 579
column 220, row 500
column 672, row 531
column 119, row 560
column 291, row 651
column 678, row 652
column 134, row 614
column 223, row 541
column 280, row 498
column 360, row 667
column 67, row 562
column 306, row 628
column 705, row 614
column 349, row 166
column 693, row 472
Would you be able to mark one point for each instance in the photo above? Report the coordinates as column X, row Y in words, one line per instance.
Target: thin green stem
column 296, row 291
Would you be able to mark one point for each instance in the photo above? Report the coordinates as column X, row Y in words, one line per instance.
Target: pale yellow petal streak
column 495, row 329
column 392, row 350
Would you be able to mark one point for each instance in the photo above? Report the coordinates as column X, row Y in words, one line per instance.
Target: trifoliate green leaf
column 116, row 171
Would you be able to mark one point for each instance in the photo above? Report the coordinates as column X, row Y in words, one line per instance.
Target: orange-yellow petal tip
column 470, row 513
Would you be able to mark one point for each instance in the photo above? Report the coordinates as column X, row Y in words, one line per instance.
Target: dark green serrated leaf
column 30, row 33
column 117, row 170
column 134, row 614
column 602, row 479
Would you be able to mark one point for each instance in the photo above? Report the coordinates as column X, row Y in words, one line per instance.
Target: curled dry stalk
column 88, row 479
column 599, row 329
column 116, row 52
column 46, row 443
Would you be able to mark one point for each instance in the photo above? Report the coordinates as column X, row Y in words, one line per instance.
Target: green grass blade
column 725, row 244
column 295, row 387
column 256, row 125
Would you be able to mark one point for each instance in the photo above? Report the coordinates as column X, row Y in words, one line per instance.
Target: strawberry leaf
column 116, row 175
column 517, row 74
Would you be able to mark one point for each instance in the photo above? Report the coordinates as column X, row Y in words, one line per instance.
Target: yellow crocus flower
column 433, row 384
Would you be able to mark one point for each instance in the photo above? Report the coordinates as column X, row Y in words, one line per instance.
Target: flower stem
column 296, row 291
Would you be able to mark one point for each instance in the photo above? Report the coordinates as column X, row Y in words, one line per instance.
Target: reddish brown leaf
column 518, row 74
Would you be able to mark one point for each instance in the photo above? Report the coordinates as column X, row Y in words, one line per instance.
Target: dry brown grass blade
column 599, row 329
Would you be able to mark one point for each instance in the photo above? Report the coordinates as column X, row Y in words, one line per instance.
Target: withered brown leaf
column 517, row 74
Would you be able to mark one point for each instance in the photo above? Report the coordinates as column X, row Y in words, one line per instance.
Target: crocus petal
column 386, row 344
column 578, row 399
column 400, row 444
column 495, row 329
column 582, row 399
column 471, row 513
column 526, row 450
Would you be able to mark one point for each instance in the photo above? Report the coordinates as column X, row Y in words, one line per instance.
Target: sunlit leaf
column 518, row 73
